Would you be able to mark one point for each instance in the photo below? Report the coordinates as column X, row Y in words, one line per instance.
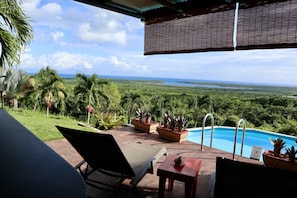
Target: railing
column 203, row 126
column 235, row 137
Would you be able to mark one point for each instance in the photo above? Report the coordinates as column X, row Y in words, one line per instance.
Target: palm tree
column 89, row 91
column 11, row 80
column 26, row 92
column 15, row 32
column 158, row 108
column 200, row 107
column 45, row 87
column 131, row 102
column 111, row 90
column 51, row 88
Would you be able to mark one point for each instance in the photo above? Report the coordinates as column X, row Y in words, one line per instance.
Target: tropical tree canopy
column 10, row 82
column 15, row 32
column 45, row 86
column 89, row 90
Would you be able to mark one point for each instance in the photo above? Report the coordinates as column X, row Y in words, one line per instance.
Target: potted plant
column 173, row 128
column 143, row 122
column 277, row 159
column 140, row 114
column 278, row 145
column 165, row 120
column 291, row 154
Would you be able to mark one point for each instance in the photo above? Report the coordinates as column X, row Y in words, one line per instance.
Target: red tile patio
column 148, row 186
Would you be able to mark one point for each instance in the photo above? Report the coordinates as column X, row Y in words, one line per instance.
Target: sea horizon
column 186, row 82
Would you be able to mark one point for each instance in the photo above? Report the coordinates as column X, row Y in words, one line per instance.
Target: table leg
column 170, row 184
column 162, row 181
column 189, row 190
column 194, row 188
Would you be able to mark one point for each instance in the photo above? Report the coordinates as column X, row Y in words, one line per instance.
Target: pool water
column 223, row 139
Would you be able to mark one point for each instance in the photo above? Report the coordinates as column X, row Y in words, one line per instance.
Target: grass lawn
column 42, row 126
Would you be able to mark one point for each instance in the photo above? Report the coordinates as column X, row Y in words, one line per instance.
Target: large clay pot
column 176, row 136
column 147, row 127
column 278, row 162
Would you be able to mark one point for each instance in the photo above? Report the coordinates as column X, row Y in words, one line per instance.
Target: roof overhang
column 182, row 26
column 147, row 10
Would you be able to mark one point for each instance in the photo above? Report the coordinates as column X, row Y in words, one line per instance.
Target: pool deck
column 148, row 186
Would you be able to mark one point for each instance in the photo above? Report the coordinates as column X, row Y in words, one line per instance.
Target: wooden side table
column 187, row 174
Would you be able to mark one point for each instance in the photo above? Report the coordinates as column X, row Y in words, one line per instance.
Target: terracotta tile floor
column 148, row 186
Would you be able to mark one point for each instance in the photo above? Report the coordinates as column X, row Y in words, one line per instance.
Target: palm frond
column 15, row 32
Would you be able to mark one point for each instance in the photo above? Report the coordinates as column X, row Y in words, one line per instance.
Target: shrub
column 108, row 121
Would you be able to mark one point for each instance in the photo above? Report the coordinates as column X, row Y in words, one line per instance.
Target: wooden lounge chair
column 241, row 179
column 102, row 153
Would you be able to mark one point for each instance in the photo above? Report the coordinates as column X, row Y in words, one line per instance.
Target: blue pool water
column 223, row 139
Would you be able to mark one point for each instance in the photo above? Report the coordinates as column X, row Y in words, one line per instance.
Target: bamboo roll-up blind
column 206, row 32
column 266, row 26
column 260, row 24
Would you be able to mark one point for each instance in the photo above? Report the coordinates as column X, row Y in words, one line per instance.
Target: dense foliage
column 15, row 32
column 105, row 101
column 263, row 107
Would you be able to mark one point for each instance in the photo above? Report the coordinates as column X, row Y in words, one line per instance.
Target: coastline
column 190, row 82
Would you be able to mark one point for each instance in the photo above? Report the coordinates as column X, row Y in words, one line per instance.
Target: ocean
column 173, row 81
column 189, row 82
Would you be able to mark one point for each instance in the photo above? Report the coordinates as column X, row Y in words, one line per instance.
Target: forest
column 263, row 107
column 106, row 102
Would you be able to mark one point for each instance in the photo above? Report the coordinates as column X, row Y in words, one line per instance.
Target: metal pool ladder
column 203, row 126
column 235, row 137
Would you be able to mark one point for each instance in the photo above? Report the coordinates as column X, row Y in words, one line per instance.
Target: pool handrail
column 242, row 139
column 203, row 126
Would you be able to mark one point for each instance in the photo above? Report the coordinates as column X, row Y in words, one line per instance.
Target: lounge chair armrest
column 77, row 166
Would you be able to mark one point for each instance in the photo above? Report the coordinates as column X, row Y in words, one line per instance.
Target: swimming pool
column 223, row 139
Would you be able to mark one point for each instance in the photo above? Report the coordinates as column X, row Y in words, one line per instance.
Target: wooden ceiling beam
column 113, row 7
column 169, row 5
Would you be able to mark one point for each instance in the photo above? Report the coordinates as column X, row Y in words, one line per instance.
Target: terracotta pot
column 278, row 162
column 145, row 127
column 172, row 135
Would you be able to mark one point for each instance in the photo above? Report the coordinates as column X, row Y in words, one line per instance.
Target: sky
column 71, row 37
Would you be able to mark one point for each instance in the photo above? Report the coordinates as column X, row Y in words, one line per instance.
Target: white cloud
column 129, row 67
column 92, row 40
column 60, row 61
column 114, row 60
column 132, row 25
column 47, row 14
column 89, row 24
column 27, row 60
column 65, row 62
column 102, row 28
column 221, row 66
column 87, row 65
column 57, row 35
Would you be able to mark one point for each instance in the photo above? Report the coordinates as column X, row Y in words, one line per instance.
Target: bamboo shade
column 205, row 32
column 266, row 26
column 261, row 24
